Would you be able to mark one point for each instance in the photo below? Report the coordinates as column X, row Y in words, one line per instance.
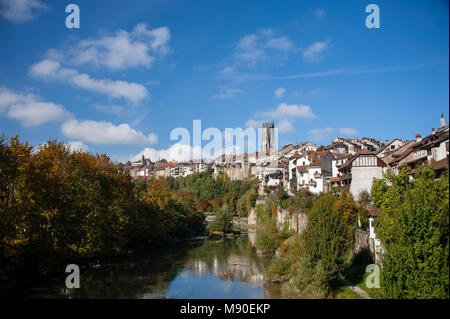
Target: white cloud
column 281, row 43
column 228, row 70
column 280, row 92
column 321, row 134
column 227, row 93
column 123, row 49
column 253, row 123
column 285, row 126
column 319, row 13
column 49, row 69
column 105, row 133
column 181, row 153
column 289, row 110
column 348, row 131
column 254, row 48
column 29, row 109
column 286, row 113
column 18, row 11
column 37, row 113
column 8, row 98
column 158, row 37
column 248, row 49
column 315, row 51
column 176, row 152
column 75, row 146
column 248, row 42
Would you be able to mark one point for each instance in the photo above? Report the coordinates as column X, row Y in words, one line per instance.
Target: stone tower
column 268, row 137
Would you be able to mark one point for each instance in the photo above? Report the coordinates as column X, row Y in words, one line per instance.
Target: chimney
column 442, row 120
column 433, row 131
column 418, row 137
column 386, row 142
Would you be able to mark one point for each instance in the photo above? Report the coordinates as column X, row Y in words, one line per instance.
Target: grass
column 372, row 292
column 356, row 274
column 344, row 292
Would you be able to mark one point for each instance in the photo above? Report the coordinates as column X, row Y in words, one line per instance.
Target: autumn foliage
column 57, row 205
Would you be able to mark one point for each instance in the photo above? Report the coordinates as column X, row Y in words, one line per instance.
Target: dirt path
column 356, row 289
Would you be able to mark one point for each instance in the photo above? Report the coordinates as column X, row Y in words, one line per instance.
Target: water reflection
column 197, row 269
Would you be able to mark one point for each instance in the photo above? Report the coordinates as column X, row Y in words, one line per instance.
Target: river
column 201, row 268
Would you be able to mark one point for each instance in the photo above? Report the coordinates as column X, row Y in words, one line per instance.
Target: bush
column 267, row 239
column 280, row 269
column 261, row 213
column 265, row 242
column 294, row 245
column 301, row 201
column 306, row 281
column 223, row 221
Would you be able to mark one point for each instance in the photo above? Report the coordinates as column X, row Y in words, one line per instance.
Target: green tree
column 346, row 207
column 414, row 231
column 325, row 251
column 223, row 220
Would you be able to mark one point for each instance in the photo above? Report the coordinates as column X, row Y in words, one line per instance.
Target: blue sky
column 135, row 70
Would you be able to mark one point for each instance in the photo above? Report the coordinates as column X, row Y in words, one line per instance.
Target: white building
column 358, row 172
column 390, row 147
column 312, row 171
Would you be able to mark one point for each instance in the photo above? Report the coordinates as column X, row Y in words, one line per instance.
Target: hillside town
column 349, row 164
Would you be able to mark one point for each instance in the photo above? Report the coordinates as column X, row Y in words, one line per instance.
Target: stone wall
column 252, row 219
column 362, row 240
column 297, row 221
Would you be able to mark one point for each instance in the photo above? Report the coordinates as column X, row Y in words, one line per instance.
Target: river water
column 201, row 268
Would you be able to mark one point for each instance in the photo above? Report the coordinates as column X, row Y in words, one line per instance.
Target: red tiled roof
column 164, row 165
column 442, row 164
column 296, row 155
column 401, row 156
column 316, row 158
column 372, row 212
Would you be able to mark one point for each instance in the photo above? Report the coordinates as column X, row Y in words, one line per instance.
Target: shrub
column 280, row 269
column 267, row 239
column 306, row 281
column 222, row 222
